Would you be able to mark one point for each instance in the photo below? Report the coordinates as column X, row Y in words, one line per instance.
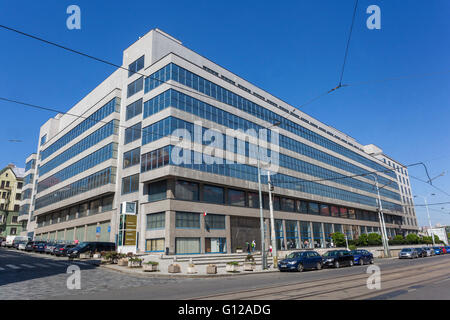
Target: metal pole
column 261, row 216
column 385, row 240
column 429, row 221
column 272, row 225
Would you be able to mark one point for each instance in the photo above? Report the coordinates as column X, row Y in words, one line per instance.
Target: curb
column 179, row 275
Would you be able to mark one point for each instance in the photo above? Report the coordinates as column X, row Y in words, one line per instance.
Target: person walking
column 248, row 247
column 253, row 245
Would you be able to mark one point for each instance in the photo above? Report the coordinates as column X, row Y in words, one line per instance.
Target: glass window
column 302, row 206
column 134, row 109
column 107, row 203
column 186, row 190
column 343, row 212
column 130, row 184
column 155, row 245
column 213, row 194
column 187, row 245
column 214, row 221
column 82, row 210
column 94, row 206
column 135, row 87
column 324, row 210
column 317, row 234
column 253, row 200
column 157, row 190
column 279, row 236
column 131, row 158
column 313, row 208
column 156, row 221
column 187, row 220
column 135, row 66
column 292, row 237
column 351, row 213
column 236, row 197
column 215, row 245
column 287, row 204
column 305, row 232
column 334, row 211
column 133, row 133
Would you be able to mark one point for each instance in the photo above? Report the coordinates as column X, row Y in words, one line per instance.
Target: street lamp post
column 381, row 218
column 429, row 220
column 261, row 214
column 272, row 223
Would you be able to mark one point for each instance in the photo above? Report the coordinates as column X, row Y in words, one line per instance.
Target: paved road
column 35, row 276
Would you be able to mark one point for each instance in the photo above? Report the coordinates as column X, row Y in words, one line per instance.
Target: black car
column 29, row 246
column 90, row 247
column 60, row 250
column 337, row 258
column 420, row 252
column 39, row 247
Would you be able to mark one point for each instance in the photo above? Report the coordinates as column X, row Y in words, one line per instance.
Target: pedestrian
column 248, row 247
column 253, row 245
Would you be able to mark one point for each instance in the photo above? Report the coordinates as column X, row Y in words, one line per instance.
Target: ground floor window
column 292, row 239
column 155, row 245
column 279, row 236
column 305, row 232
column 187, row 245
column 328, row 230
column 317, row 234
column 215, row 245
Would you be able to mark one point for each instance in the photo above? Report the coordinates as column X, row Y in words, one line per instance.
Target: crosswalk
column 40, row 265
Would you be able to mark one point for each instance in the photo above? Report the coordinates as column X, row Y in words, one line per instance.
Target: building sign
column 128, row 227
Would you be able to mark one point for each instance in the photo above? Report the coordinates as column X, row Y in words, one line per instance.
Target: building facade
column 11, row 182
column 176, row 134
column 409, row 213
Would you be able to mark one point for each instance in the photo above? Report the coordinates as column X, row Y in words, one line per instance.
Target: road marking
column 41, row 265
column 27, row 266
column 12, row 266
column 411, row 290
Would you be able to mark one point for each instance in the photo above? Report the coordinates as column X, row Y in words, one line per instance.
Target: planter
column 191, row 270
column 174, row 268
column 134, row 264
column 97, row 256
column 249, row 266
column 122, row 262
column 232, row 268
column 150, row 267
column 239, row 251
column 211, row 269
column 85, row 255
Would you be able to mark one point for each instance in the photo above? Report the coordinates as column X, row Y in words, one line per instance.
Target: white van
column 11, row 239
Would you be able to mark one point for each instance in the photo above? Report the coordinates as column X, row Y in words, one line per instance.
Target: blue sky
column 292, row 49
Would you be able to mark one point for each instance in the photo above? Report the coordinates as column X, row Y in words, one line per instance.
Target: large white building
column 125, row 147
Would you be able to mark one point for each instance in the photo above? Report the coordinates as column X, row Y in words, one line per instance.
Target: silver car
column 429, row 251
column 408, row 253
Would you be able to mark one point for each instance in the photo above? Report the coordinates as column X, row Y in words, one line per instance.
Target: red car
column 444, row 250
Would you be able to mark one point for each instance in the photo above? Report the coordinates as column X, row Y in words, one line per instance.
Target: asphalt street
column 40, row 276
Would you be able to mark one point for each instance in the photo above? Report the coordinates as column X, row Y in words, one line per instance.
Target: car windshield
column 330, row 253
column 294, row 255
column 406, row 250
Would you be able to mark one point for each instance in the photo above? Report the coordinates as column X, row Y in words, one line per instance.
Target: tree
column 398, row 239
column 437, row 240
column 362, row 240
column 374, row 239
column 412, row 238
column 338, row 239
column 426, row 240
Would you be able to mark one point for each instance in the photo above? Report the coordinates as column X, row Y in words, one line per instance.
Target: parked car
column 444, row 250
column 408, row 253
column 49, row 247
column 447, row 248
column 10, row 240
column 39, row 247
column 362, row 257
column 420, row 252
column 3, row 243
column 429, row 251
column 301, row 260
column 61, row 249
column 22, row 245
column 29, row 246
column 437, row 250
column 86, row 247
column 338, row 258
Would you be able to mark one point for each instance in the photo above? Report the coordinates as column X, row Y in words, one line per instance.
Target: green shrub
column 338, row 239
column 352, row 247
column 374, row 239
column 362, row 241
column 233, row 263
column 412, row 238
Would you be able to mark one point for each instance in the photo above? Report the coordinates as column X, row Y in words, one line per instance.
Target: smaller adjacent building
column 441, row 232
column 11, row 183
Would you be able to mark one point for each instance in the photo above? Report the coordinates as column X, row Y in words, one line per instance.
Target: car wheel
column 371, row 260
column 351, row 263
column 361, row 261
column 318, row 266
column 300, row 268
column 336, row 264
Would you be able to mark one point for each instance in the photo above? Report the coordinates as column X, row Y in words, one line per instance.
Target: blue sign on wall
column 98, row 230
column 109, row 228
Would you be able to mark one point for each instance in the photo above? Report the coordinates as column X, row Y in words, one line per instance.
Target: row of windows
column 26, row 194
column 135, row 87
column 91, row 182
column 28, row 179
column 170, row 124
column 89, row 122
column 185, row 77
column 75, row 212
column 135, row 66
column 107, row 152
column 191, row 220
column 155, row 159
column 30, row 165
column 173, row 98
column 132, row 133
column 91, row 140
column 130, row 184
column 131, row 158
column 24, row 210
column 134, row 109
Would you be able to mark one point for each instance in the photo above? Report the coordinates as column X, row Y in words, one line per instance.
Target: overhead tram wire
column 439, row 189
